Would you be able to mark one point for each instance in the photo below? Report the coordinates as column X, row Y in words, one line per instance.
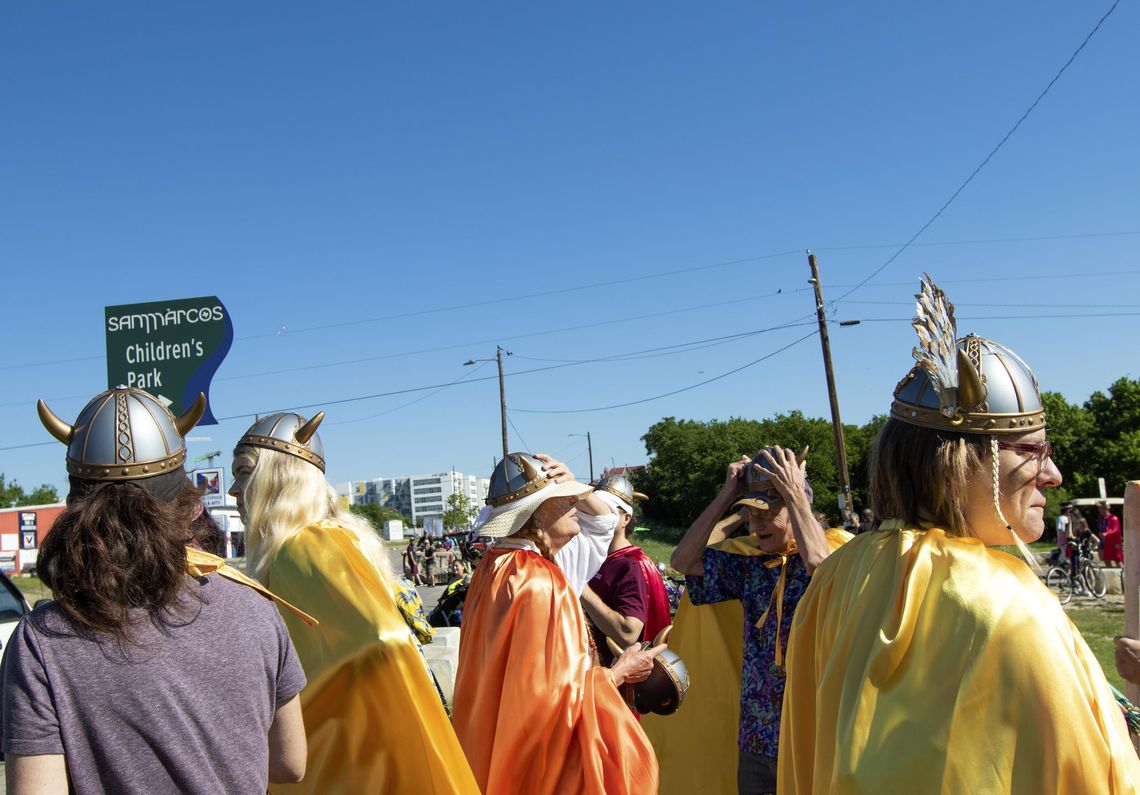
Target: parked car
column 13, row 607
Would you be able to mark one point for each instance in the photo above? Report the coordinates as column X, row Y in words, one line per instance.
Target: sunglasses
column 1042, row 451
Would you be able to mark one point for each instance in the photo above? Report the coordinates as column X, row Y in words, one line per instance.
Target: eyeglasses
column 1042, row 451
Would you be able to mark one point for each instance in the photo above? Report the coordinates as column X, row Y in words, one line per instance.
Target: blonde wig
column 921, row 475
column 283, row 495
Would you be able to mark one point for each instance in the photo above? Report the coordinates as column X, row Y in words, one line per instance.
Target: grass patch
column 658, row 541
column 32, row 588
column 1099, row 624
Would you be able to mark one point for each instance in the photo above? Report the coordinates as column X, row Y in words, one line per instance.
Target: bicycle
column 1089, row 577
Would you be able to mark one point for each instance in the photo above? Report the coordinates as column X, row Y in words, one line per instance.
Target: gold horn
column 803, row 455
column 639, row 497
column 663, row 636
column 192, row 415
column 306, row 431
column 971, row 391
column 615, row 649
column 55, row 426
column 528, row 468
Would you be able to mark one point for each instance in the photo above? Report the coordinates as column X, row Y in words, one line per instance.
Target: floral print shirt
column 746, row 578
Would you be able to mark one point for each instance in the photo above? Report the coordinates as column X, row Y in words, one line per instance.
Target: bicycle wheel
column 1057, row 581
column 1094, row 580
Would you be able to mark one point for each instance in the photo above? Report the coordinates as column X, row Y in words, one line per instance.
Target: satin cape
column 920, row 662
column 697, row 746
column 532, row 713
column 373, row 719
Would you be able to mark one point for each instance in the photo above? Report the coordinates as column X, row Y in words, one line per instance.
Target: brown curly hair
column 119, row 550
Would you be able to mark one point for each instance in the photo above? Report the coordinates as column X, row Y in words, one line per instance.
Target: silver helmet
column 123, row 434
column 620, row 487
column 515, row 477
column 290, row 433
column 967, row 385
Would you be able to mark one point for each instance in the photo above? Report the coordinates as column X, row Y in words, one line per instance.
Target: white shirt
column 585, row 553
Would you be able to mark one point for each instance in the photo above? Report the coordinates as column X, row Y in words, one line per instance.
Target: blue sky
column 326, row 168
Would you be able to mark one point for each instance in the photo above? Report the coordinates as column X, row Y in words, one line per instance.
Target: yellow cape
column 372, row 717
column 697, row 746
column 925, row 663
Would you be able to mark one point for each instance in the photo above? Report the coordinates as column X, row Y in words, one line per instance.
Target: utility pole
column 590, row 448
column 499, row 353
column 836, row 424
column 502, row 398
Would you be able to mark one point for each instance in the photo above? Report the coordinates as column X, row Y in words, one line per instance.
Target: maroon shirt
column 620, row 584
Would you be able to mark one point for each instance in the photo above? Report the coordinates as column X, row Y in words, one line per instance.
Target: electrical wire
column 988, row 157
column 758, row 258
column 518, row 435
column 465, row 377
column 985, row 279
column 675, row 391
column 496, row 340
column 1004, row 317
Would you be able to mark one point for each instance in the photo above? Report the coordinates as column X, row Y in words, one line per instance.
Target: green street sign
column 169, row 348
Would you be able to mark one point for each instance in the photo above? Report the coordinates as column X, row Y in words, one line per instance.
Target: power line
column 985, row 241
column 542, row 294
column 495, row 340
column 988, row 157
column 675, row 391
column 1083, row 276
column 409, row 390
column 525, row 446
column 1006, row 305
column 460, row 380
column 1006, row 317
column 757, row 258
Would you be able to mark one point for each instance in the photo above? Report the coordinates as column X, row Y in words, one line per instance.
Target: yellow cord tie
column 781, row 560
column 200, row 563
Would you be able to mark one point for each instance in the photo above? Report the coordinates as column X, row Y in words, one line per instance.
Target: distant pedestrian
column 429, row 563
column 1112, row 539
column 868, row 523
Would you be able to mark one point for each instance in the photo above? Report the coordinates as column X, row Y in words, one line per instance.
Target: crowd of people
column 434, row 561
column 911, row 655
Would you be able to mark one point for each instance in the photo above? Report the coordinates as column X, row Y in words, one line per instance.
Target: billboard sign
column 213, row 480
column 169, row 348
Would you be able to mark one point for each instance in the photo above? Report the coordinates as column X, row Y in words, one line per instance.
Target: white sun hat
column 518, row 486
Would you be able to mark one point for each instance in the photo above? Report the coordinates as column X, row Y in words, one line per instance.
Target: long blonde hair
column 283, row 495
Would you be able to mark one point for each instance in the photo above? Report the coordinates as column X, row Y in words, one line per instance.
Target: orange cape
column 531, row 712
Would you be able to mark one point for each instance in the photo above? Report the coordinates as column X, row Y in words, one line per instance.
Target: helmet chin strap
column 997, row 489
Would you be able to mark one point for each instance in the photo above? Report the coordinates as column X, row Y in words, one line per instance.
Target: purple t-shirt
column 187, row 709
column 620, row 584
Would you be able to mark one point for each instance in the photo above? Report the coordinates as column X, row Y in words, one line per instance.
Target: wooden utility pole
column 502, row 398
column 836, row 424
column 1131, row 574
column 590, row 448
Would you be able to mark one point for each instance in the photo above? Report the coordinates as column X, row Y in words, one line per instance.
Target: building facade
column 417, row 496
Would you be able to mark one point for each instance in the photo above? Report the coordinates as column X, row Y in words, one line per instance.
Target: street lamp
column 502, row 391
column 590, row 448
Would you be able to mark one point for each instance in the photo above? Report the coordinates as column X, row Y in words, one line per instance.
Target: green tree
column 1115, row 452
column 688, row 460
column 13, row 494
column 378, row 514
column 460, row 513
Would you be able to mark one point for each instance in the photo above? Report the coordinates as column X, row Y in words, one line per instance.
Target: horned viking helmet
column 123, row 435
column 290, row 433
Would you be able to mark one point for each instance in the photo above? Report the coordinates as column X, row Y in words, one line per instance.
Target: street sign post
column 169, row 348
